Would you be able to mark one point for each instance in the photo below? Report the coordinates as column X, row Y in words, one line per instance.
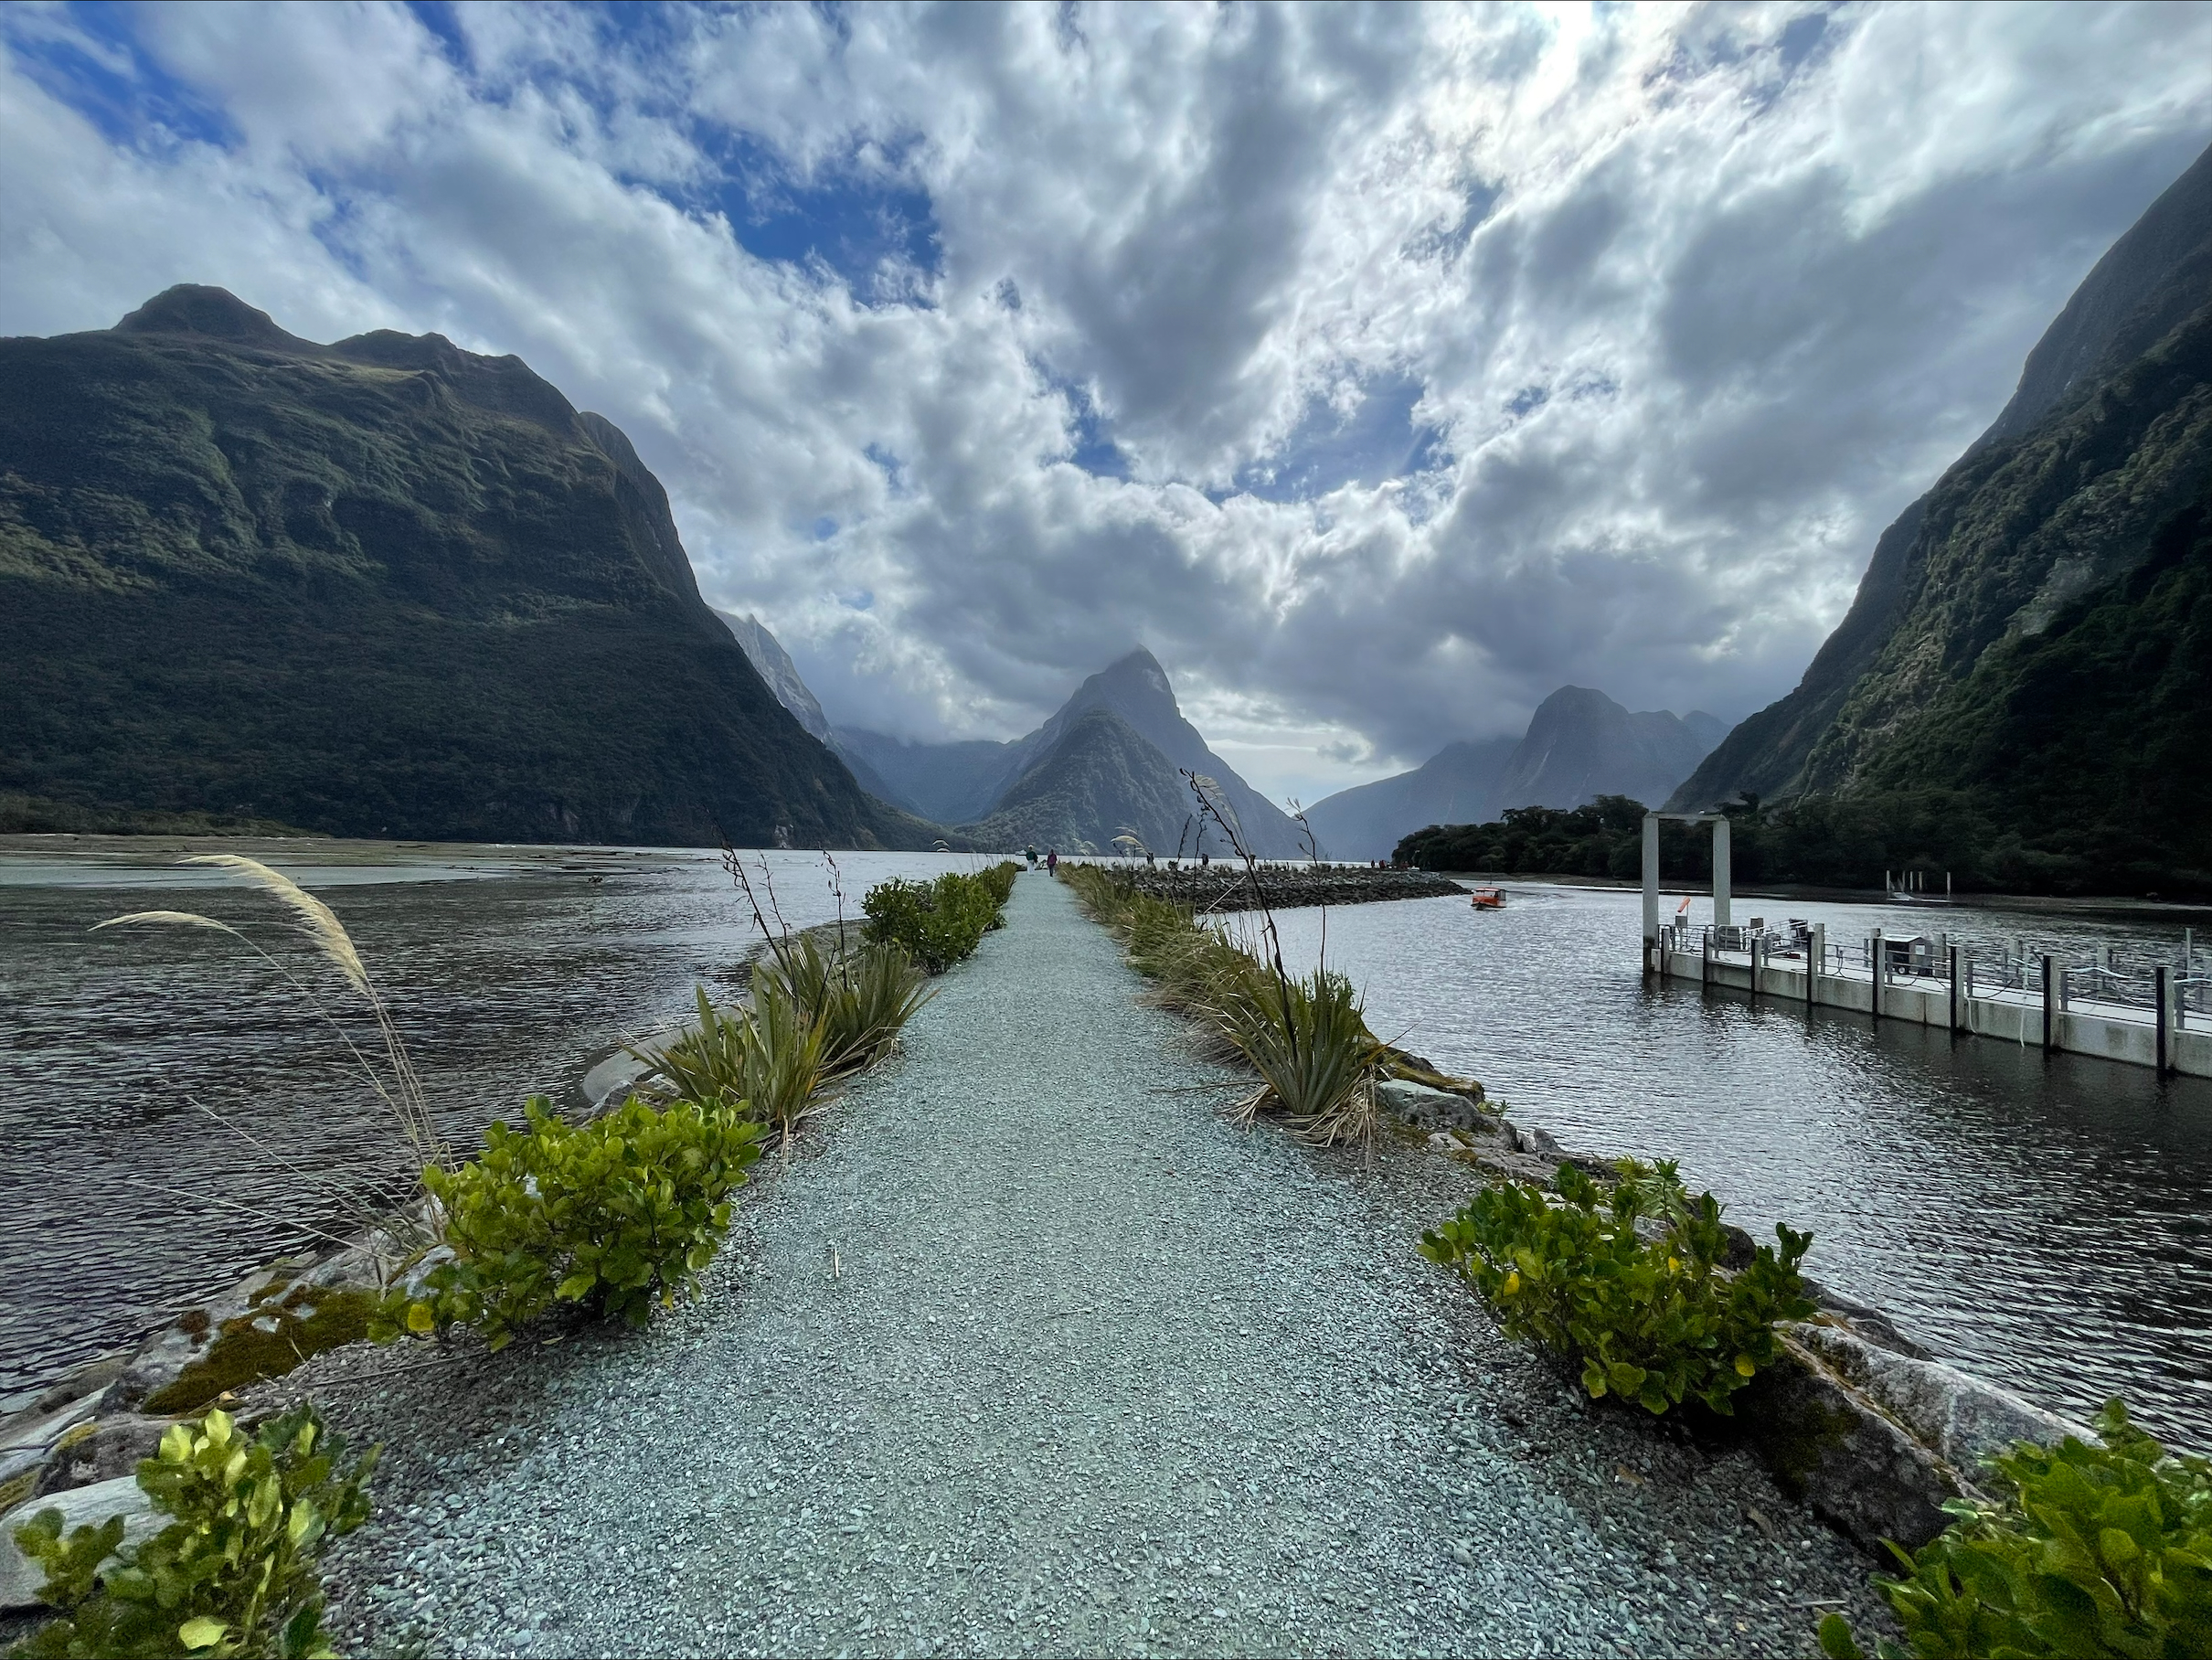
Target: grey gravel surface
column 1030, row 1351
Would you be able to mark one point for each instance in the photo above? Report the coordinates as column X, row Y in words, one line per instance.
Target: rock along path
column 1039, row 1353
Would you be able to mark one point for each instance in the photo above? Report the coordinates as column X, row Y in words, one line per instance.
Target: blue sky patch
column 865, row 220
column 1378, row 441
column 131, row 101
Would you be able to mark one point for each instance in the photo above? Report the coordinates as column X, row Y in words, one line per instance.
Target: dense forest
column 1819, row 841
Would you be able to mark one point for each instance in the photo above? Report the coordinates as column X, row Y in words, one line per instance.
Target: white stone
column 20, row 1578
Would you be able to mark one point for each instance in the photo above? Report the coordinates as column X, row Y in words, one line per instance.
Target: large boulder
column 20, row 1578
column 1875, row 1441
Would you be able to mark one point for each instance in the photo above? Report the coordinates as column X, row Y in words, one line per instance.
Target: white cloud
column 1744, row 279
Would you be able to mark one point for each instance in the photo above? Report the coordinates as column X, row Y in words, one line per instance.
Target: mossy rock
column 281, row 1329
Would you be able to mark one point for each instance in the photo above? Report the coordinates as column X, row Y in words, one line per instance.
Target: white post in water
column 1720, row 871
column 1651, row 889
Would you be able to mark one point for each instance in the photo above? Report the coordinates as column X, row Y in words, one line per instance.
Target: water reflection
column 2043, row 1222
column 508, row 970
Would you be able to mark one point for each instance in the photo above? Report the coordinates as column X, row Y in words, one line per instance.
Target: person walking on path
column 1052, row 861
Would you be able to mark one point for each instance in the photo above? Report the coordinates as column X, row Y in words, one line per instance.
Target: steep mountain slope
column 778, row 673
column 2100, row 447
column 384, row 587
column 1580, row 744
column 951, row 782
column 1457, row 785
column 1136, row 688
column 1099, row 776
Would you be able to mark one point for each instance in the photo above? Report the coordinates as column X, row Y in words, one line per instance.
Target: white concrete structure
column 2036, row 1017
column 1651, row 875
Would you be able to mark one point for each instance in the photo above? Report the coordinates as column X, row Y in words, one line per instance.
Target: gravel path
column 1035, row 1352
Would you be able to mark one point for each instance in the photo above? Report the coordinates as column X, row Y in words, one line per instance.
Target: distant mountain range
column 1110, row 761
column 1579, row 744
column 2031, row 646
column 385, row 587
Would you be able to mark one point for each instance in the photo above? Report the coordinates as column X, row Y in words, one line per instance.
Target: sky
column 1379, row 368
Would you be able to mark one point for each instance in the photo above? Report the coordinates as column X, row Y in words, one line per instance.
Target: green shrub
column 1657, row 1321
column 768, row 1056
column 998, row 881
column 938, row 923
column 233, row 1573
column 614, row 1214
column 2089, row 1551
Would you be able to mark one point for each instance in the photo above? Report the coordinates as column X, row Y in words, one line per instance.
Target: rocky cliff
column 383, row 587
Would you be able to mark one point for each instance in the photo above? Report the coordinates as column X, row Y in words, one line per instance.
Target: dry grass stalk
column 396, row 1084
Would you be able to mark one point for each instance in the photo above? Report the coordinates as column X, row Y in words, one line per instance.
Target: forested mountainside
column 381, row 588
column 2029, row 658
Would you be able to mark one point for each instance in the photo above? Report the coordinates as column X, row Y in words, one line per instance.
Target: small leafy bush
column 614, row 1214
column 2089, row 1551
column 938, row 923
column 234, row 1572
column 1657, row 1321
column 998, row 881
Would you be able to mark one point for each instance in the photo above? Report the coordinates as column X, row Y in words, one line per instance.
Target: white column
column 1651, row 885
column 1720, row 871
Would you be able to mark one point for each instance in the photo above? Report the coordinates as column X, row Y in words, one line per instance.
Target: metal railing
column 2122, row 980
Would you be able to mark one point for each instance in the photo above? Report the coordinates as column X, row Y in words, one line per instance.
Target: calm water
column 2045, row 1223
column 509, row 971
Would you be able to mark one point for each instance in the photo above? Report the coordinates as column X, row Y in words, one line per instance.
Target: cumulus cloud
column 1381, row 368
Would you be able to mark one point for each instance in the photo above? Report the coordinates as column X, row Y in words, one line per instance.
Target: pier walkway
column 1885, row 977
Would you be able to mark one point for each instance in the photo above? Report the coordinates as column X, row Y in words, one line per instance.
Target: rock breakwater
column 1231, row 887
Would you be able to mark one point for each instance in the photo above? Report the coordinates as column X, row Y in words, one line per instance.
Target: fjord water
column 2045, row 1223
column 509, row 969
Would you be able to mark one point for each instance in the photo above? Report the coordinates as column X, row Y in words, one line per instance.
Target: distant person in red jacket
column 1052, row 861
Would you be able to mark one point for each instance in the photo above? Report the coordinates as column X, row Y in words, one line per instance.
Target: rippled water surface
column 2047, row 1223
column 508, row 969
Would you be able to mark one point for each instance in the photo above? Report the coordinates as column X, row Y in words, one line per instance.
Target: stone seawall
column 1227, row 886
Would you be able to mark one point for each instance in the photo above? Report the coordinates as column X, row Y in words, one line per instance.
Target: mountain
column 949, row 782
column 1579, row 744
column 1136, row 690
column 2033, row 635
column 778, row 672
column 1140, row 694
column 1457, row 785
column 1099, row 777
column 386, row 587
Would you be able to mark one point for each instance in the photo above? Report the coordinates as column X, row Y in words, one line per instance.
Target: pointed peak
column 1137, row 674
column 191, row 308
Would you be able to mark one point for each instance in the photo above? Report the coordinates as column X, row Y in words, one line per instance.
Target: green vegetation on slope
column 1846, row 841
column 386, row 587
column 2027, row 658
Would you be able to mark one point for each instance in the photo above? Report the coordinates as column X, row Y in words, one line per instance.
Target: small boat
column 1489, row 899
